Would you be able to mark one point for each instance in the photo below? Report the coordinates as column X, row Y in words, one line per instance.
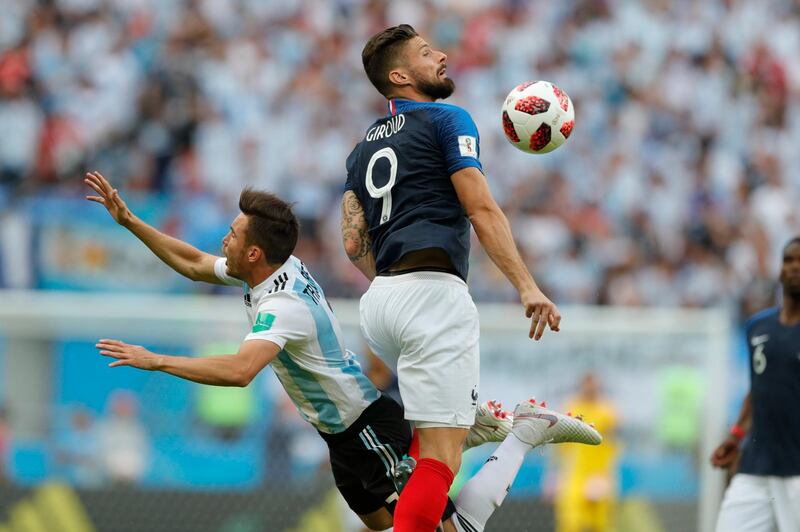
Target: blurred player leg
column 570, row 509
column 601, row 514
column 747, row 506
column 786, row 494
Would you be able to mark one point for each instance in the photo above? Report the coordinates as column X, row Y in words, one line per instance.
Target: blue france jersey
column 400, row 173
column 773, row 442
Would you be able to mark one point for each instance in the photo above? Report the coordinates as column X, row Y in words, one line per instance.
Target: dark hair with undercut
column 271, row 224
column 383, row 52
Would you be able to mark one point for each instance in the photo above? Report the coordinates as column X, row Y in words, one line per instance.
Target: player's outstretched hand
column 542, row 313
column 135, row 356
column 108, row 197
column 725, row 454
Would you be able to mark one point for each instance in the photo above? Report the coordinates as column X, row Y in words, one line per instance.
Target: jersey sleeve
column 221, row 271
column 458, row 138
column 281, row 318
column 350, row 184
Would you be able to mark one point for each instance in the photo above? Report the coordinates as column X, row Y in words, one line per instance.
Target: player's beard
column 438, row 89
column 791, row 288
column 791, row 284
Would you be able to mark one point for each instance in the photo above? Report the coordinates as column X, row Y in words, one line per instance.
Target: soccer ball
column 537, row 117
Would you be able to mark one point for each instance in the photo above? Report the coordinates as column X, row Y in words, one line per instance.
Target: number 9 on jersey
column 384, row 192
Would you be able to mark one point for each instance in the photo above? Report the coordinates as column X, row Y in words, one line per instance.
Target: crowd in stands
column 679, row 185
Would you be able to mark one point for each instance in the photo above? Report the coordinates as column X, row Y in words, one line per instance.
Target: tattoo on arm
column 354, row 228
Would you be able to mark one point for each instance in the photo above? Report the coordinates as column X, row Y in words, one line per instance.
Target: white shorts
column 760, row 504
column 424, row 326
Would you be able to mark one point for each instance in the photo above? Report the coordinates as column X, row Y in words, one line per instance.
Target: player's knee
column 444, row 445
column 451, row 458
column 380, row 520
column 454, row 462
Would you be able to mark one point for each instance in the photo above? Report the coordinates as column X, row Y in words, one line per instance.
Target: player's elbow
column 353, row 247
column 192, row 276
column 484, row 216
column 243, row 374
column 242, row 379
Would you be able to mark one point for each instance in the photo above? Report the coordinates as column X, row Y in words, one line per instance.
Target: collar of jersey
column 394, row 103
column 258, row 290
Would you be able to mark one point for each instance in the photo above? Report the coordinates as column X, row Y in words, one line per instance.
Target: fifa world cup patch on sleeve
column 264, row 321
column 468, row 146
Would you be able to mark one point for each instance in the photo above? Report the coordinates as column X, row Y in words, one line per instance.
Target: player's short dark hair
column 794, row 240
column 271, row 224
column 382, row 53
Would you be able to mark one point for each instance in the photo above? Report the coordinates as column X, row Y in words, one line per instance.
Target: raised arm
column 355, row 235
column 184, row 258
column 494, row 233
column 219, row 370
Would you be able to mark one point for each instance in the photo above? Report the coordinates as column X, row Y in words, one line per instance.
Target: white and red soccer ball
column 537, row 117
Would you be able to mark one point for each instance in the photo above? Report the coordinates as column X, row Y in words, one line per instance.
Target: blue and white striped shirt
column 323, row 379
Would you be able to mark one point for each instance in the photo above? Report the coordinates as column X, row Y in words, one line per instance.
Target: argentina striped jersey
column 323, row 379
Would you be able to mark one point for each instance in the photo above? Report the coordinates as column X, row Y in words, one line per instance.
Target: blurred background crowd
column 678, row 187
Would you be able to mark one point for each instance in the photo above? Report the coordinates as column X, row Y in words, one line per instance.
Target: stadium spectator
column 588, row 477
column 124, row 442
column 78, row 450
column 676, row 185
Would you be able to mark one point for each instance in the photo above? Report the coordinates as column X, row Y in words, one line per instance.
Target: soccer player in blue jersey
column 294, row 331
column 414, row 186
column 764, row 494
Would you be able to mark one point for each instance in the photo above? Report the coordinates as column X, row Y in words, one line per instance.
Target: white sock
column 485, row 491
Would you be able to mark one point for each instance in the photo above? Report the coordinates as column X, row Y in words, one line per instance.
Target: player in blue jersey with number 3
column 414, row 187
column 764, row 494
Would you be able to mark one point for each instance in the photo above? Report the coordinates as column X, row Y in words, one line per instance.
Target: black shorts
column 363, row 456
